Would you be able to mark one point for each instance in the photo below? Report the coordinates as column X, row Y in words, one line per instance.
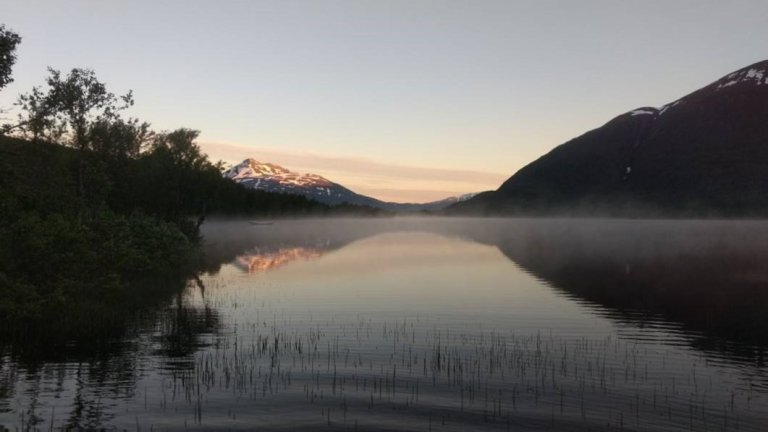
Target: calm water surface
column 430, row 324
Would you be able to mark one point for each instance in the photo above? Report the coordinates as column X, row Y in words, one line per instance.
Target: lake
column 429, row 324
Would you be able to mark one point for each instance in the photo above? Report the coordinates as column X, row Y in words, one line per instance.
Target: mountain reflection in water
column 258, row 262
column 708, row 277
column 430, row 323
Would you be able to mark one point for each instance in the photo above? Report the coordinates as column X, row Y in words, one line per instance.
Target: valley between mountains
column 275, row 178
column 705, row 154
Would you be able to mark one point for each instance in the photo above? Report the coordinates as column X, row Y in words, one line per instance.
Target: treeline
column 95, row 205
column 121, row 164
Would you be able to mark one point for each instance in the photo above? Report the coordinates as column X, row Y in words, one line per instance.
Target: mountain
column 274, row 178
column 703, row 154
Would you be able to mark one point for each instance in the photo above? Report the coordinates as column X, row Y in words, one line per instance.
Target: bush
column 55, row 261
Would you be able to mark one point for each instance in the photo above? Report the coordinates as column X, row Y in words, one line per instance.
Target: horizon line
column 386, row 181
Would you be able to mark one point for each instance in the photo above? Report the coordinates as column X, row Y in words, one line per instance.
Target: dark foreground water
column 429, row 324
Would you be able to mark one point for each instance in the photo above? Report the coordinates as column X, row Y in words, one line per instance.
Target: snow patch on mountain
column 644, row 111
column 756, row 74
column 666, row 107
column 252, row 169
column 657, row 112
column 752, row 75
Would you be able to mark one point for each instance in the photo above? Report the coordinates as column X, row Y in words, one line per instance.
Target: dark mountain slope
column 706, row 153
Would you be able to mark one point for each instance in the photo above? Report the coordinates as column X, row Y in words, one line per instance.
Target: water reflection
column 74, row 369
column 683, row 298
column 261, row 261
column 706, row 278
column 425, row 324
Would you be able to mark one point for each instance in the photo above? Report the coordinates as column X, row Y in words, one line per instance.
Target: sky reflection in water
column 418, row 324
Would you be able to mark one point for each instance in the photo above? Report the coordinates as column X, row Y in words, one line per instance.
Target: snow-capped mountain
column 274, row 178
column 705, row 153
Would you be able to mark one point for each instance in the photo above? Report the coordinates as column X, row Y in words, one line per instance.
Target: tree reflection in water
column 95, row 357
column 705, row 281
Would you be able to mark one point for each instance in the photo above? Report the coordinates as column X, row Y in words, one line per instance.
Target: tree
column 181, row 147
column 182, row 169
column 80, row 100
column 37, row 118
column 119, row 139
column 74, row 109
column 8, row 42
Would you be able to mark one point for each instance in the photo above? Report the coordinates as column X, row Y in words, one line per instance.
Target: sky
column 401, row 100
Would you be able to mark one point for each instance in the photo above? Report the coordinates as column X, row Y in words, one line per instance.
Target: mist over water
column 431, row 324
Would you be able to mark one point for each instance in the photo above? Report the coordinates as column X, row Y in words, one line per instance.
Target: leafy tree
column 119, row 139
column 80, row 100
column 113, row 147
column 72, row 110
column 180, row 174
column 8, row 42
column 181, row 147
column 37, row 118
column 71, row 106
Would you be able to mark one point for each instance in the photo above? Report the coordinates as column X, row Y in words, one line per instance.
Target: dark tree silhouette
column 67, row 112
column 119, row 139
column 8, row 42
column 80, row 100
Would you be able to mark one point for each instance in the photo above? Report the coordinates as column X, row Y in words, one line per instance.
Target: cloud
column 407, row 195
column 236, row 153
column 386, row 181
